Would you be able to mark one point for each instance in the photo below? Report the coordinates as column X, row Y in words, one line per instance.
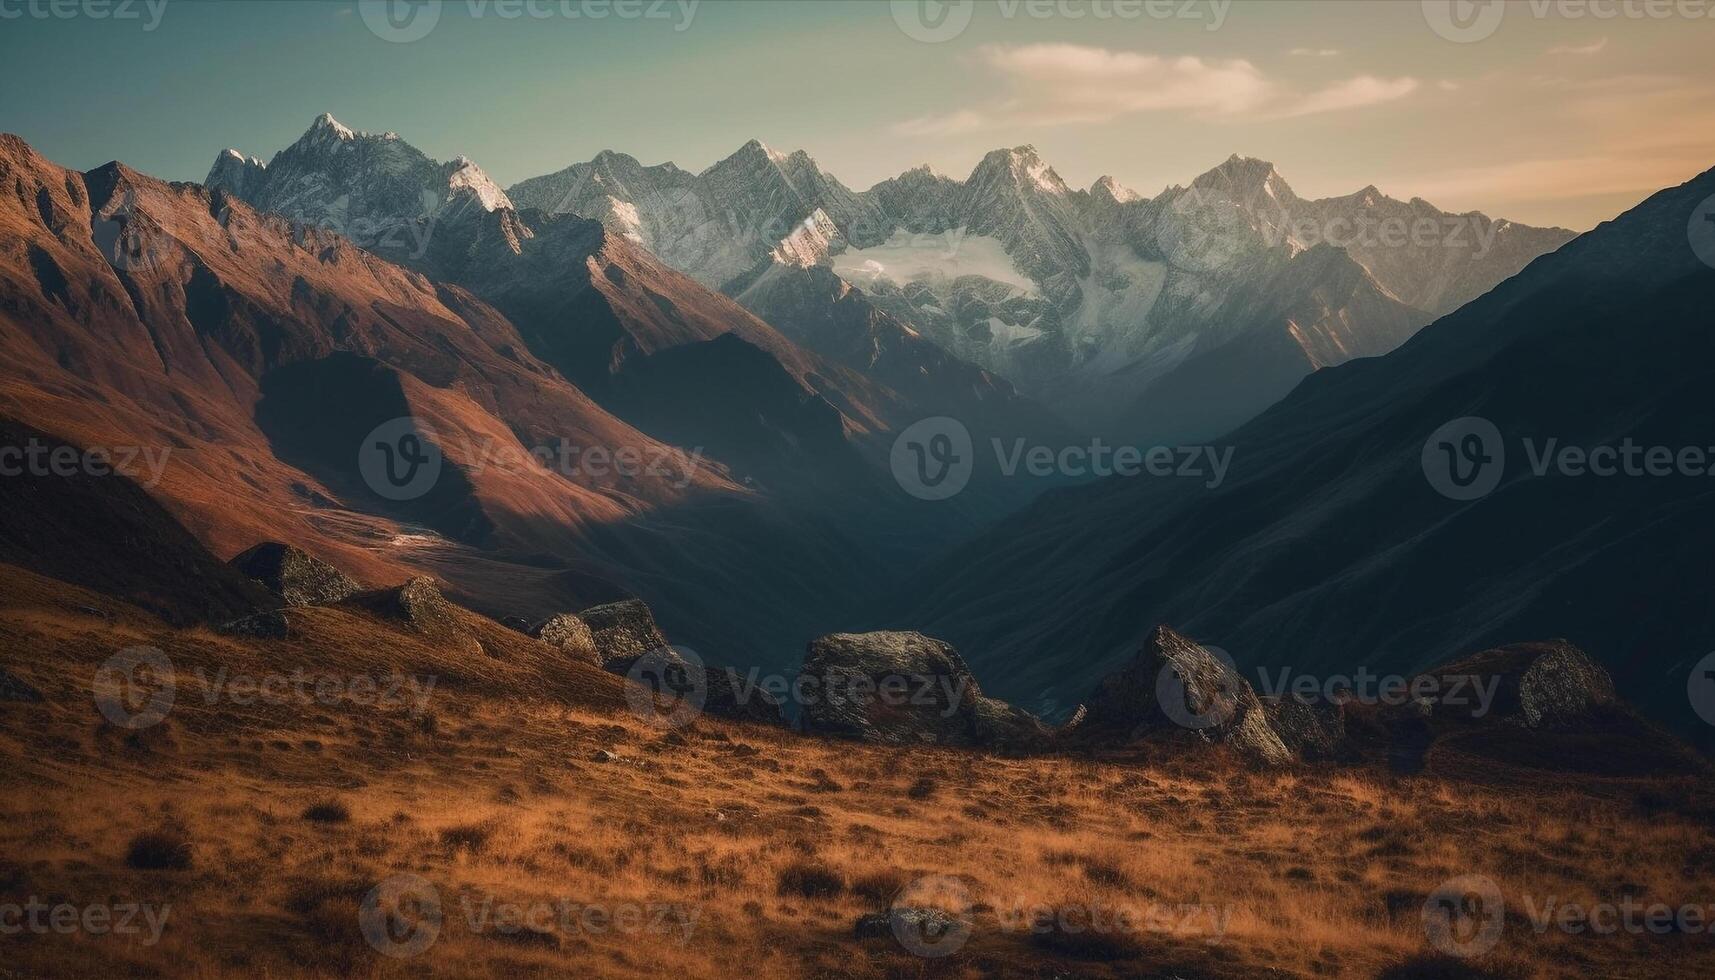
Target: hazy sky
column 1564, row 113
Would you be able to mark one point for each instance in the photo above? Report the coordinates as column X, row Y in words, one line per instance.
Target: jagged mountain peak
column 1111, row 189
column 325, row 125
column 1245, row 179
column 1021, row 164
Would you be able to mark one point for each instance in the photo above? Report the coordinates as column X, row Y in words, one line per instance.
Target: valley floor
column 561, row 835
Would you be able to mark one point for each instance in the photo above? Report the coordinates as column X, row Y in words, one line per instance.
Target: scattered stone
column 903, row 687
column 297, row 577
column 604, row 755
column 1176, row 686
column 929, row 923
column 259, row 626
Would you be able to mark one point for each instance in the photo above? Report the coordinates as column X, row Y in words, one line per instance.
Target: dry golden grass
column 751, row 852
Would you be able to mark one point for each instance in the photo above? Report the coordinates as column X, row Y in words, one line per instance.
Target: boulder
column 297, row 577
column 1312, row 728
column 420, row 605
column 1539, row 683
column 1175, row 685
column 622, row 630
column 571, row 634
column 902, row 687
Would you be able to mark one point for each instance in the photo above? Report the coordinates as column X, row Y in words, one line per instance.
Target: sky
column 1560, row 112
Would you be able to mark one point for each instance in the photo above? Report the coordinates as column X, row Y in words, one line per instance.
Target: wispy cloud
column 1353, row 93
column 1098, row 84
column 963, row 121
column 1594, row 47
column 1057, row 84
column 1314, row 52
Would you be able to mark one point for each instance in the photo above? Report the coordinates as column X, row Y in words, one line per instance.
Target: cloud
column 1096, row 84
column 1059, row 84
column 1353, row 93
column 1593, row 47
column 963, row 121
column 1314, row 52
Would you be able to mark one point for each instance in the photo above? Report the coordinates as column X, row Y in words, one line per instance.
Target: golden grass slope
column 723, row 850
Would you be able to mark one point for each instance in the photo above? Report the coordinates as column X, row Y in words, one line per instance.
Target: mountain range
column 262, row 324
column 1113, row 309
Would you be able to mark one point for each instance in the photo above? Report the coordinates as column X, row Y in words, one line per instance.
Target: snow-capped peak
column 467, row 176
column 1114, row 189
column 231, row 154
column 1025, row 167
column 327, row 124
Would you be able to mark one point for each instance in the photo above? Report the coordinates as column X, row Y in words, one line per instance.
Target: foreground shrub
column 810, row 881
column 162, row 850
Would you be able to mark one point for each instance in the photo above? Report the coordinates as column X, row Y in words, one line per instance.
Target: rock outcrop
column 420, row 605
column 297, row 577
column 1175, row 685
column 571, row 634
column 622, row 631
column 1536, row 684
column 903, row 687
column 1313, row 729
